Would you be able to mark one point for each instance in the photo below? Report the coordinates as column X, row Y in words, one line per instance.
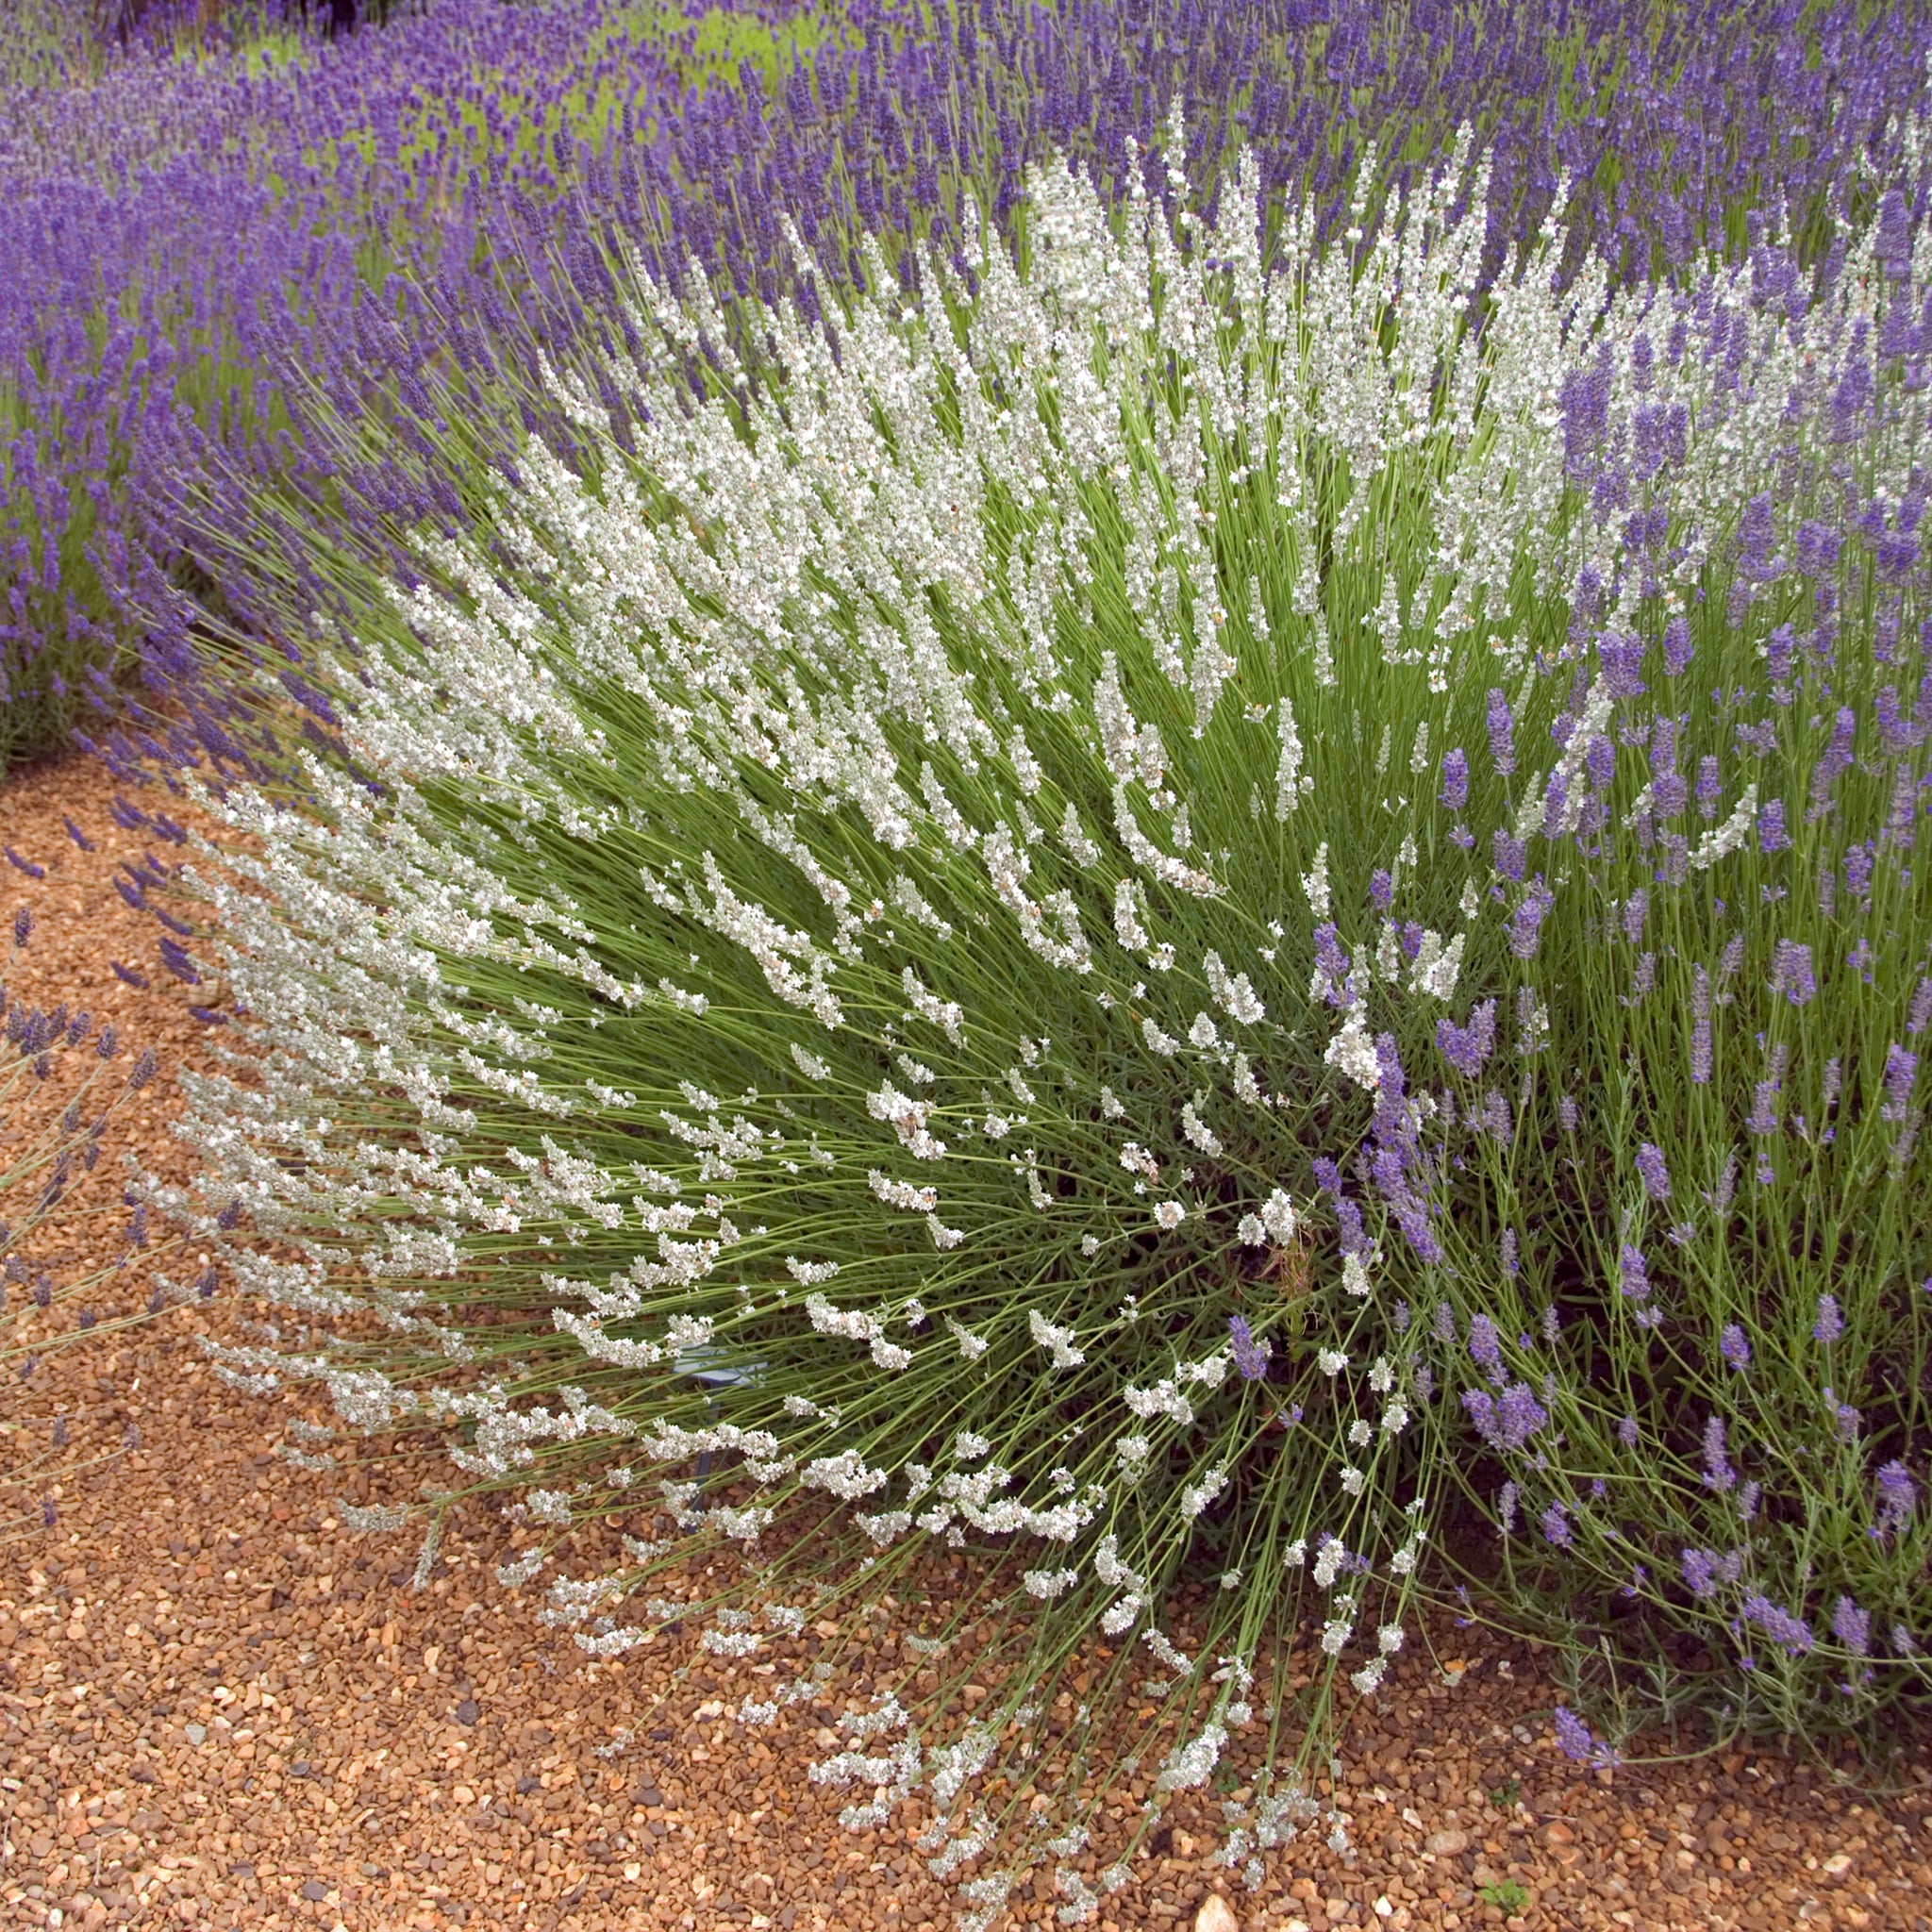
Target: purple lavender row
column 179, row 228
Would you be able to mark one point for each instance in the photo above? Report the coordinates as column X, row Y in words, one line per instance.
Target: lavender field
column 1128, row 788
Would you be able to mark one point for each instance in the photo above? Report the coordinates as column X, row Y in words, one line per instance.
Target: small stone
column 1216, row 1915
column 1447, row 1843
column 468, row 1712
column 196, row 1734
column 314, row 1890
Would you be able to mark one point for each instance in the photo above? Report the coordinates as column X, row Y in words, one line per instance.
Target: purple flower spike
column 1456, row 778
column 1898, row 1500
column 1718, row 1473
column 1632, row 1273
column 1677, row 648
column 1900, row 1070
column 1626, row 1432
column 1556, row 1526
column 1653, row 1173
column 1525, row 925
column 26, row 865
column 1788, row 1632
column 1250, row 1356
column 1381, row 889
column 1771, row 836
column 1851, row 1626
column 1700, row 1573
column 1484, row 1347
column 1467, row 1047
column 1574, row 1740
column 1830, row 1325
column 1919, row 1014
column 1735, row 1347
column 1502, row 733
column 1791, row 973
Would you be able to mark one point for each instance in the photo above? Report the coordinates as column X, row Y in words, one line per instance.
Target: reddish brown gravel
column 217, row 1707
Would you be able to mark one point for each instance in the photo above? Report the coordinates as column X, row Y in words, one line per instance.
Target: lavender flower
column 1771, row 836
column 1677, row 648
column 1486, row 1347
column 1455, row 780
column 1651, row 1170
column 1898, row 1499
column 1502, row 733
column 1250, row 1358
column 1632, row 1274
column 1830, row 1325
column 1788, row 1632
column 1711, row 788
column 1791, row 974
column 1466, row 1048
column 1700, row 1573
column 1901, row 1070
column 1526, row 924
column 1851, row 1626
column 1718, row 1473
column 1574, row 1740
column 1626, row 1432
column 1735, row 1347
column 1556, row 1526
column 1701, row 1044
column 1507, row 1420
column 1919, row 1014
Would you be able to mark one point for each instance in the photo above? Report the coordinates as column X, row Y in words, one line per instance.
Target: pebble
column 1446, row 1843
column 1216, row 1915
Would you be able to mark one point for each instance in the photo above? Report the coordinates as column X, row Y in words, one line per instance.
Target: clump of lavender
column 903, row 915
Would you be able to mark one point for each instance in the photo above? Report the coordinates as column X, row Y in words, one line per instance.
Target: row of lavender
column 184, row 232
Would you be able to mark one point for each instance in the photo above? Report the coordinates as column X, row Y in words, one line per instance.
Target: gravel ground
column 218, row 1708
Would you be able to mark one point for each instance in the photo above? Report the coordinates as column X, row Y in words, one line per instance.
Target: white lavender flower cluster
column 964, row 815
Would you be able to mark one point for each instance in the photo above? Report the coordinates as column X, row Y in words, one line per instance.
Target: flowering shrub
column 1160, row 913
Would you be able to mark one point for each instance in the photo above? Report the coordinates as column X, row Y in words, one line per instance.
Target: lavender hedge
column 186, row 229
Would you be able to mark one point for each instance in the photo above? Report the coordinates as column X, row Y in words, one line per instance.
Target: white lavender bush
column 1145, row 919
